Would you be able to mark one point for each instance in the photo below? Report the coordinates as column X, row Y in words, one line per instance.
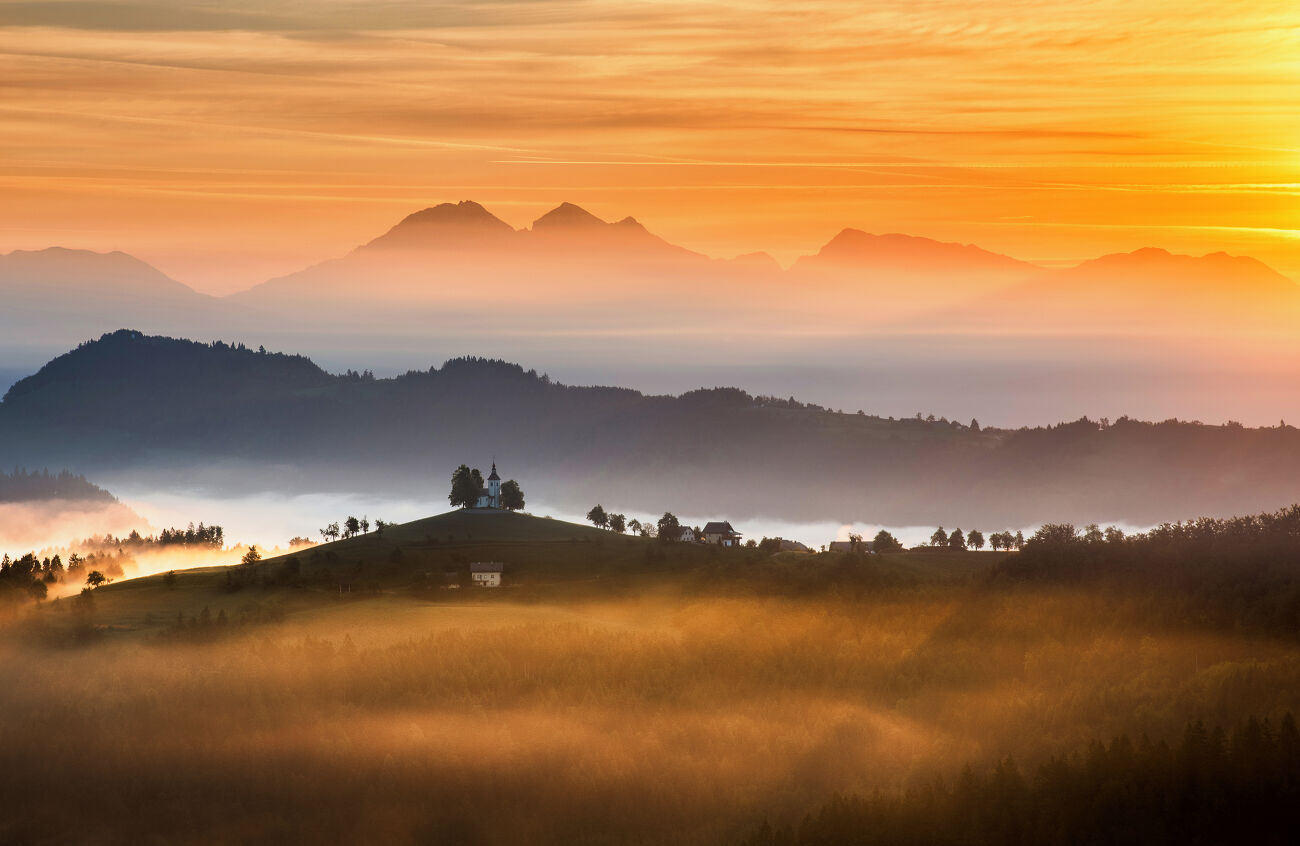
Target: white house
column 688, row 535
column 490, row 497
column 721, row 533
column 486, row 574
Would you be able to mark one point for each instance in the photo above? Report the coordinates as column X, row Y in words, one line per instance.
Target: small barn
column 486, row 574
column 721, row 533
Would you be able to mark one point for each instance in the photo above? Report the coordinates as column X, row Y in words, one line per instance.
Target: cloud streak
column 1122, row 104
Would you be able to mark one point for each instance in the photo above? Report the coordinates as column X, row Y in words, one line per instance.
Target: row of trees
column 351, row 527
column 667, row 528
column 974, row 539
column 204, row 537
column 467, row 485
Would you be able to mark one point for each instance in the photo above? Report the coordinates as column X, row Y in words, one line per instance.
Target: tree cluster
column 350, row 527
column 30, row 577
column 1240, row 572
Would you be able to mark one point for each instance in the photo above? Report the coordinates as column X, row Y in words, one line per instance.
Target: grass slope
column 402, row 573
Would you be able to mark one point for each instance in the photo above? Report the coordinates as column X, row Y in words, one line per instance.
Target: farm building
column 486, row 573
column 721, row 533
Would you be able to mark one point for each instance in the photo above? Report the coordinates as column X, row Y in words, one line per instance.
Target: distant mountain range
column 576, row 271
column 235, row 419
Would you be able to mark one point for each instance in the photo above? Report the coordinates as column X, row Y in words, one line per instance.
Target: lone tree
column 956, row 540
column 669, row 529
column 512, row 496
column 598, row 517
column 464, row 490
column 95, row 578
column 252, row 556
column 855, row 542
column 352, row 527
column 885, row 542
column 975, row 539
column 634, row 526
column 939, row 538
column 618, row 523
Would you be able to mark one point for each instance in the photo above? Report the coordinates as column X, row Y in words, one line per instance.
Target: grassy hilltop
column 405, row 569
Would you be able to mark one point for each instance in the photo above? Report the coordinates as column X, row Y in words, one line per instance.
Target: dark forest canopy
column 22, row 485
column 1211, row 787
column 134, row 402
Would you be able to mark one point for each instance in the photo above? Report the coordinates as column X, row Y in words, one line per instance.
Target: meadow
column 673, row 709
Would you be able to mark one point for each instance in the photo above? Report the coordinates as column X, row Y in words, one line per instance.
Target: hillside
column 405, row 571
column 240, row 420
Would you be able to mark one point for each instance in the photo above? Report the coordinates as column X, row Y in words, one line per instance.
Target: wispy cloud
column 1146, row 111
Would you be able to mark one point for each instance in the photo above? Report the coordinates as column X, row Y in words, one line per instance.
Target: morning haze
column 751, row 424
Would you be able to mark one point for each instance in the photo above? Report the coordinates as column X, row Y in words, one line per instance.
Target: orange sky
column 231, row 141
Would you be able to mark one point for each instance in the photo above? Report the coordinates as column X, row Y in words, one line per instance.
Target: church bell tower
column 494, row 487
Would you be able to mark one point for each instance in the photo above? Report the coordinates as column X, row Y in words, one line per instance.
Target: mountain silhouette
column 900, row 274
column 104, row 277
column 448, row 225
column 167, row 409
column 1149, row 291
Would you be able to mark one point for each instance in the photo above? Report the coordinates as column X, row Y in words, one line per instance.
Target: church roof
column 494, row 476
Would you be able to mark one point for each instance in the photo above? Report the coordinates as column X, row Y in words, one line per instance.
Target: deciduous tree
column 512, row 496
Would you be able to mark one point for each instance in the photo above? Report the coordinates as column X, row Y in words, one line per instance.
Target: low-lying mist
column 669, row 718
column 54, row 523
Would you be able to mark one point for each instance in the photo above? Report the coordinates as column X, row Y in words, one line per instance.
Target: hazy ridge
column 254, row 420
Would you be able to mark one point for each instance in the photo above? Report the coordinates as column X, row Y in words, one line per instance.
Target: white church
column 490, row 497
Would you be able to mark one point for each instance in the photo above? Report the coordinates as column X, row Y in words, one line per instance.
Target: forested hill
column 24, row 486
column 225, row 415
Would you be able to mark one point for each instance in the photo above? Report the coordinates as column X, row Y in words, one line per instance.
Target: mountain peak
column 446, row 224
column 568, row 216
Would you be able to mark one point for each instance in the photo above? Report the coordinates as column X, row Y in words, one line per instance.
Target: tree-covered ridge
column 130, row 400
column 22, row 485
column 136, row 364
column 1211, row 788
column 1239, row 573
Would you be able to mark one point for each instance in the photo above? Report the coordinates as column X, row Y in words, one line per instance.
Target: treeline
column 1211, row 788
column 1241, row 572
column 201, row 536
column 22, row 485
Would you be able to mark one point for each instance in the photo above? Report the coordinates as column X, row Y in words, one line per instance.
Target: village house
column 688, row 535
column 721, row 533
column 486, row 574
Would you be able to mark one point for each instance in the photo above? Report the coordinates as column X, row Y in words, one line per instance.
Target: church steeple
column 494, row 487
